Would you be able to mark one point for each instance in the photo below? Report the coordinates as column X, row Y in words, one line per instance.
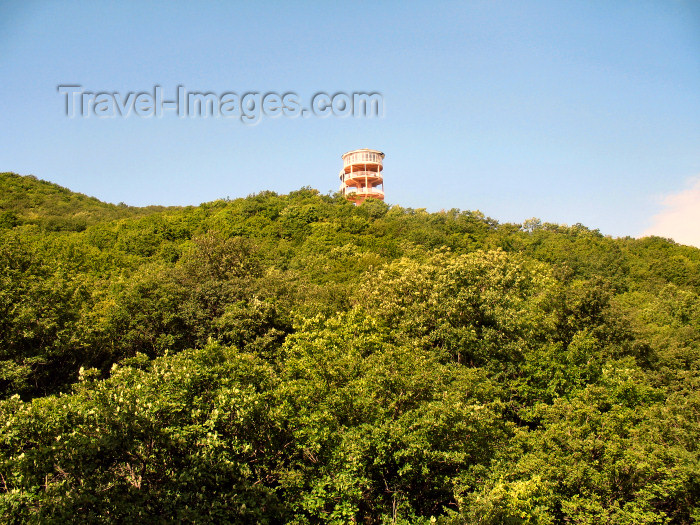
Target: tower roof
column 362, row 149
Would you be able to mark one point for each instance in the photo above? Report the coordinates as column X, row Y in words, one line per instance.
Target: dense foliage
column 297, row 359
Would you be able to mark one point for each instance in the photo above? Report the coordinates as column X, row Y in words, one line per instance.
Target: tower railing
column 360, row 174
column 364, row 191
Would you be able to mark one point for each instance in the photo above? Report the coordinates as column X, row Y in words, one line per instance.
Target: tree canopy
column 298, row 359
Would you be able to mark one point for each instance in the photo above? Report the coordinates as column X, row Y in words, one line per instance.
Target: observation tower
column 361, row 176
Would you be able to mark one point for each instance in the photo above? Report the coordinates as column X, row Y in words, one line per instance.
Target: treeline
column 297, row 359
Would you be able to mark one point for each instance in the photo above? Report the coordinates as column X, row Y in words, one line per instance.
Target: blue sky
column 568, row 111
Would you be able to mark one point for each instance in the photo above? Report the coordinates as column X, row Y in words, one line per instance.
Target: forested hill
column 297, row 359
column 28, row 200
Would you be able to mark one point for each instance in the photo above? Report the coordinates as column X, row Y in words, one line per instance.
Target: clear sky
column 568, row 111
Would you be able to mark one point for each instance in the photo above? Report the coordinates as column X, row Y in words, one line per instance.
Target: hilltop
column 28, row 200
